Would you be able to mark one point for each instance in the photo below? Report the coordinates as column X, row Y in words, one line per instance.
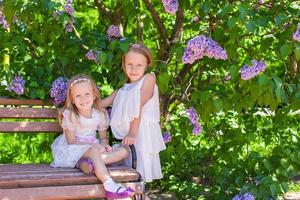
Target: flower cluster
column 59, row 90
column 196, row 19
column 69, row 9
column 194, row 119
column 167, row 137
column 252, row 71
column 246, row 196
column 90, row 55
column 113, row 32
column 296, row 35
column 3, row 21
column 202, row 46
column 171, row 6
column 17, row 85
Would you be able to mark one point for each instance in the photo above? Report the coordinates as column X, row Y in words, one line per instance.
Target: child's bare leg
column 113, row 190
column 99, row 166
column 115, row 156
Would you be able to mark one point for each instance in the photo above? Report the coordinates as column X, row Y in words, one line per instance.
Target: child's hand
column 108, row 148
column 128, row 140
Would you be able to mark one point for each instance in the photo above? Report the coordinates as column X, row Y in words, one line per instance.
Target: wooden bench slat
column 43, row 175
column 36, row 127
column 33, row 113
column 22, row 102
column 62, row 192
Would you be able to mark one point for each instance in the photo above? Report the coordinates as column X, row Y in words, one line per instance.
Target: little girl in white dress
column 135, row 112
column 82, row 116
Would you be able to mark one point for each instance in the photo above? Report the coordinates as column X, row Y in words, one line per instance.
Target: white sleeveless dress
column 149, row 140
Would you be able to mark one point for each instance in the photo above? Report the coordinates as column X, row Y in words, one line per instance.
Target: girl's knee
column 124, row 151
column 93, row 151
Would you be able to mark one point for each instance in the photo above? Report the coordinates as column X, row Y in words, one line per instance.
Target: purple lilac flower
column 56, row 14
column 252, row 71
column 171, row 6
column 59, row 90
column 113, row 32
column 194, row 118
column 167, row 137
column 69, row 26
column 69, row 9
column 195, row 19
column 296, row 35
column 17, row 85
column 3, row 21
column 227, row 78
column 201, row 46
column 90, row 55
column 246, row 196
column 261, row 1
column 197, row 129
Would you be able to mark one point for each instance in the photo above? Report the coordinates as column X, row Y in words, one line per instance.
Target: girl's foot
column 86, row 165
column 115, row 191
column 126, row 192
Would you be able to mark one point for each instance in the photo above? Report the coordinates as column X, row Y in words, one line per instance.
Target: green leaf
column 163, row 82
column 267, row 164
column 297, row 52
column 285, row 50
column 251, row 26
column 218, row 104
column 102, row 57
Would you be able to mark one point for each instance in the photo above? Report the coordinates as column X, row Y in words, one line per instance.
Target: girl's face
column 135, row 65
column 83, row 97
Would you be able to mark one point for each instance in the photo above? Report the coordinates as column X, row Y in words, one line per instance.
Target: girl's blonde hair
column 137, row 48
column 80, row 78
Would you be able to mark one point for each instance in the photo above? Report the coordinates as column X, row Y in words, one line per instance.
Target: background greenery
column 250, row 139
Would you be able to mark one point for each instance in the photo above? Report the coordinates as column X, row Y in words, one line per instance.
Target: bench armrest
column 132, row 148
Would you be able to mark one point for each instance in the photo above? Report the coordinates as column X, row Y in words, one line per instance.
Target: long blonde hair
column 80, row 78
column 137, row 48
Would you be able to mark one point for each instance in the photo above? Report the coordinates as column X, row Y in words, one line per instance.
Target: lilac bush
column 296, row 35
column 17, row 85
column 246, row 196
column 167, row 137
column 3, row 21
column 248, row 72
column 194, row 119
column 201, row 46
column 171, row 6
column 113, row 32
column 59, row 90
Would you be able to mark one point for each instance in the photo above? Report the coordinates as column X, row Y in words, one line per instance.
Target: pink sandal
column 86, row 165
column 119, row 195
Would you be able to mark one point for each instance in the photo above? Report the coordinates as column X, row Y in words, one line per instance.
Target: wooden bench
column 40, row 181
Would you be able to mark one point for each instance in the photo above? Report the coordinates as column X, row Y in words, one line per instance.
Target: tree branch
column 102, row 8
column 158, row 22
column 178, row 26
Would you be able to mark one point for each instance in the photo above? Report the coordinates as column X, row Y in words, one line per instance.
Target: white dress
column 67, row 155
column 149, row 140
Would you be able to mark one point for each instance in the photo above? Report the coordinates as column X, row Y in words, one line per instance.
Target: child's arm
column 107, row 101
column 104, row 140
column 147, row 90
column 70, row 136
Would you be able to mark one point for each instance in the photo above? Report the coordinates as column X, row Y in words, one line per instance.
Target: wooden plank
column 4, row 101
column 43, row 175
column 36, row 127
column 35, row 113
column 62, row 192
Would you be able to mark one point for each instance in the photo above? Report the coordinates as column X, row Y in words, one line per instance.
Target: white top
column 149, row 140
